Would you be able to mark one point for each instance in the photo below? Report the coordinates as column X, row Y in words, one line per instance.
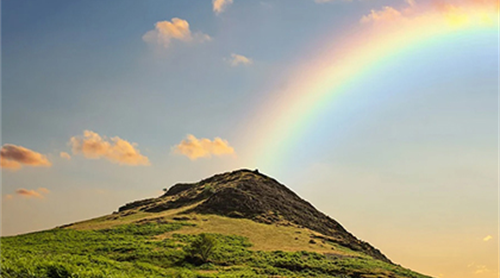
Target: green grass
column 133, row 250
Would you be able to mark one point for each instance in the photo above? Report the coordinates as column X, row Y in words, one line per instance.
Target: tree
column 203, row 246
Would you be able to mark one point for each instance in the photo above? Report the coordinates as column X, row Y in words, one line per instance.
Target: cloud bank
column 14, row 157
column 195, row 148
column 115, row 149
column 167, row 31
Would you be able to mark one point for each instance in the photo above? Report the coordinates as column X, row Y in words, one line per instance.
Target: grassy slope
column 117, row 246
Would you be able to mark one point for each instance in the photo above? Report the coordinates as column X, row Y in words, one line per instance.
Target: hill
column 259, row 228
column 251, row 195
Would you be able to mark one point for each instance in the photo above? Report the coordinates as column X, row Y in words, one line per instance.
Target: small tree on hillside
column 203, row 247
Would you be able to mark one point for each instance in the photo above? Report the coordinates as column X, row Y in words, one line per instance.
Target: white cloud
column 236, row 60
column 115, row 149
column 176, row 29
column 220, row 6
column 65, row 155
column 195, row 148
column 456, row 13
column 14, row 157
column 386, row 14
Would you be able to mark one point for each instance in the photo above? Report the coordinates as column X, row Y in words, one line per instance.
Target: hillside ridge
column 252, row 195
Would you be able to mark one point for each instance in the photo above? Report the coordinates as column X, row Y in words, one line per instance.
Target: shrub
column 203, row 247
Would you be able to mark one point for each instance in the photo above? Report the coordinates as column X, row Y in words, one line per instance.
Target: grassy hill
column 254, row 226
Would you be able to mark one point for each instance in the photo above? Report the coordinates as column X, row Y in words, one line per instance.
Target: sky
column 383, row 114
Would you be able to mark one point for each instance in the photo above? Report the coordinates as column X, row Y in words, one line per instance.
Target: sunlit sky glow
column 383, row 114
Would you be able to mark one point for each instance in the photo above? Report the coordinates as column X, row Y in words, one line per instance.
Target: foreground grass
column 133, row 250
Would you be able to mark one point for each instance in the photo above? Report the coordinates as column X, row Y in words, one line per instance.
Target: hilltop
column 252, row 195
column 261, row 229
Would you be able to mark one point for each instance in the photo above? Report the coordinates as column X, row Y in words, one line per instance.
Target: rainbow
column 282, row 121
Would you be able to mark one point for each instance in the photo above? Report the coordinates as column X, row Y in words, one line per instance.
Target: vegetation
column 143, row 250
column 203, row 247
column 186, row 234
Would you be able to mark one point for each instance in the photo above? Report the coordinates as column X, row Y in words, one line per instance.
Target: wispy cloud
column 167, row 31
column 43, row 190
column 14, row 157
column 195, row 148
column 236, row 60
column 478, row 268
column 456, row 13
column 114, row 149
column 220, row 6
column 30, row 193
column 387, row 13
column 487, row 238
column 65, row 155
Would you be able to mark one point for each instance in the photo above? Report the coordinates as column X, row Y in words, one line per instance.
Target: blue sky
column 407, row 157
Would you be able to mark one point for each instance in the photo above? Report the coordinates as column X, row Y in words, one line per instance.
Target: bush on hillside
column 202, row 247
